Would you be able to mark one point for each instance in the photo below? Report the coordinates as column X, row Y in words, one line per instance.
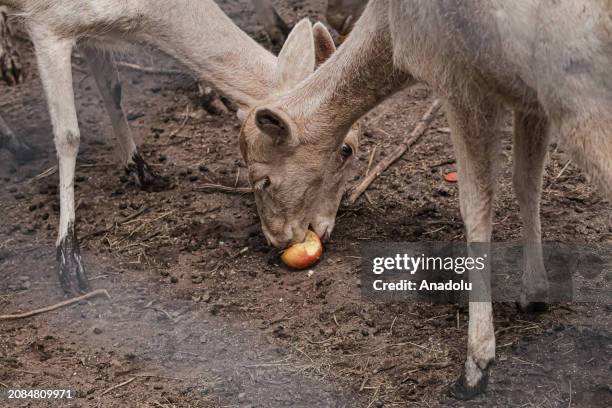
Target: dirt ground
column 198, row 317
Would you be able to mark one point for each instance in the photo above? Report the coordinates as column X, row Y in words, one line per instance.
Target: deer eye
column 346, row 151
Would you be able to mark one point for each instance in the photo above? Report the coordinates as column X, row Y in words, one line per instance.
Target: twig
column 51, row 170
column 374, row 397
column 392, row 324
column 120, row 222
column 151, row 70
column 410, row 140
column 114, row 387
column 68, row 302
column 158, row 376
column 371, row 160
column 559, row 174
column 183, row 123
column 224, row 189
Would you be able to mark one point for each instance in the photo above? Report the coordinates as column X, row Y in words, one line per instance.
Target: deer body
column 195, row 32
column 546, row 60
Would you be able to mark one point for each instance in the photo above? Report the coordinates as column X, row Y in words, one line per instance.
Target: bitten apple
column 305, row 254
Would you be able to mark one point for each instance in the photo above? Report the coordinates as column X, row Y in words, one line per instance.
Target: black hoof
column 146, row 177
column 532, row 307
column 533, row 303
column 71, row 273
column 462, row 391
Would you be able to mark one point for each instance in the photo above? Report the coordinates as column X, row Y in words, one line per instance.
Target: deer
column 11, row 73
column 196, row 33
column 549, row 62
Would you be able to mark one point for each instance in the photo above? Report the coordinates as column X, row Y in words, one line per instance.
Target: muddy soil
column 198, row 317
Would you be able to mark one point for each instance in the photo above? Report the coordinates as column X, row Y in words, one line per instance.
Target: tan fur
column 549, row 60
column 195, row 32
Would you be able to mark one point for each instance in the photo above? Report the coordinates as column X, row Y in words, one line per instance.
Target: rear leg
column 21, row 151
column 10, row 65
column 273, row 24
column 103, row 66
column 531, row 135
column 588, row 139
column 11, row 73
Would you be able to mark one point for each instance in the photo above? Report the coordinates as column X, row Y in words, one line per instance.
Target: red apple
column 305, row 254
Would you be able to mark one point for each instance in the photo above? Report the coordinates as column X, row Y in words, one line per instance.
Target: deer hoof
column 527, row 304
column 146, row 177
column 461, row 389
column 70, row 266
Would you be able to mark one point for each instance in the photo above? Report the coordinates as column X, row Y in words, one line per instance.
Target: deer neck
column 201, row 36
column 354, row 80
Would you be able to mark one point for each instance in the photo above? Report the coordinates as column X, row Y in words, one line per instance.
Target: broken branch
column 151, row 70
column 114, row 387
column 410, row 140
column 223, row 189
column 99, row 292
column 120, row 222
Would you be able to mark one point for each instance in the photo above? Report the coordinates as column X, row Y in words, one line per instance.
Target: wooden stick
column 99, row 292
column 120, row 222
column 114, row 387
column 151, row 70
column 410, row 140
column 223, row 189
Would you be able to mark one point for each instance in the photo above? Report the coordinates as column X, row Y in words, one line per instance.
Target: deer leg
column 273, row 24
column 53, row 55
column 587, row 139
column 21, row 150
column 474, row 129
column 10, row 72
column 531, row 135
column 10, row 65
column 103, row 66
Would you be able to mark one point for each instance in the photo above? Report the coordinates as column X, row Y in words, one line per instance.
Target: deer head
column 267, row 144
column 300, row 144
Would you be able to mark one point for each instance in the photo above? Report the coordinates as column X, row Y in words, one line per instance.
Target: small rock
column 97, row 330
column 173, row 279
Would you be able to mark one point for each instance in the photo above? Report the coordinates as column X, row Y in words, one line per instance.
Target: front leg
column 53, row 57
column 104, row 69
column 474, row 123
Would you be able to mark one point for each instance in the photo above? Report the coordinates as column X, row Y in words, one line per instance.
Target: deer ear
column 296, row 59
column 323, row 42
column 274, row 123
